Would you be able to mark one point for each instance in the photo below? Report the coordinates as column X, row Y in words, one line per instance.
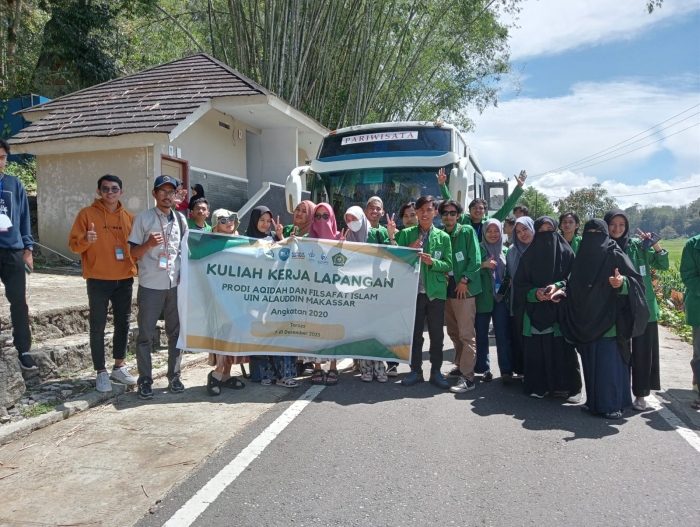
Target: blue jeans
column 501, row 326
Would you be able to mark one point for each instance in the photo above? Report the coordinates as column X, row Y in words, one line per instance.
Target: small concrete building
column 193, row 118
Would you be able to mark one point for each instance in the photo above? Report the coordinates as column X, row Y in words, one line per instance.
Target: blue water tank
column 10, row 124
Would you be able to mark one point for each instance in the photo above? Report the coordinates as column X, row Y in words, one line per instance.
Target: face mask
column 355, row 226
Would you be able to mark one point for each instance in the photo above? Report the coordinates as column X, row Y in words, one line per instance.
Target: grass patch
column 674, row 248
column 41, row 409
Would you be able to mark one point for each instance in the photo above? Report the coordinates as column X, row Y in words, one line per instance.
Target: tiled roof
column 153, row 100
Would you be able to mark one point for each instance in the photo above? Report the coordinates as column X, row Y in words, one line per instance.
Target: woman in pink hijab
column 324, row 227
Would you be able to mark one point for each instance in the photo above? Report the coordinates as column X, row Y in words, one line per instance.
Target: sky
column 590, row 79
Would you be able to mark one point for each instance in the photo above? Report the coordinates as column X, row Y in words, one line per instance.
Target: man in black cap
column 155, row 241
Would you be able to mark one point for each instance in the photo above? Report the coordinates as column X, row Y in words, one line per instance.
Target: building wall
column 208, row 145
column 67, row 182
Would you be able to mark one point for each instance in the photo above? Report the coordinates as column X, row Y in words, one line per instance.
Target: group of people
column 552, row 291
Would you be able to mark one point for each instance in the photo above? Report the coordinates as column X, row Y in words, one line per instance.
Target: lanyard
column 425, row 236
column 166, row 239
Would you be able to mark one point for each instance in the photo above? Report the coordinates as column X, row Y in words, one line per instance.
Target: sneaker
column 103, row 384
column 507, row 379
column 145, row 390
column 175, row 385
column 538, row 396
column 122, row 375
column 488, row 376
column 454, row 373
column 26, row 362
column 463, row 385
column 575, row 399
column 392, row 371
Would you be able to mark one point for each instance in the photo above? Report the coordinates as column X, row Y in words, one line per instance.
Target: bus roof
column 381, row 126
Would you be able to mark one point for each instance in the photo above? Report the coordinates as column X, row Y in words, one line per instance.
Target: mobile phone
column 27, row 269
column 647, row 243
column 505, row 284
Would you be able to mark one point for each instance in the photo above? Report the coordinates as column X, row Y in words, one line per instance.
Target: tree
column 537, row 202
column 588, row 203
column 668, row 233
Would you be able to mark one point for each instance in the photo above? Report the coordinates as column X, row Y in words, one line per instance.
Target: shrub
column 25, row 171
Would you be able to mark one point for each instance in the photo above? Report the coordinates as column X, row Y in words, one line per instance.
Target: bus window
column 496, row 198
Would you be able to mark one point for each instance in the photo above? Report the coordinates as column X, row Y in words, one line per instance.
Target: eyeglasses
column 230, row 219
column 107, row 190
column 324, row 216
column 450, row 213
column 168, row 193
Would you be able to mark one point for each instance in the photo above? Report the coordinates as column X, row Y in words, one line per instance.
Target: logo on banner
column 284, row 254
column 339, row 259
column 312, row 255
column 269, row 254
column 298, row 255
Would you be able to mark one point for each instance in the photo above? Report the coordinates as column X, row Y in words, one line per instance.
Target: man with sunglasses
column 155, row 242
column 99, row 235
column 463, row 284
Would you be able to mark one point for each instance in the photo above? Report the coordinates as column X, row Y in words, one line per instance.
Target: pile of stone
column 51, row 393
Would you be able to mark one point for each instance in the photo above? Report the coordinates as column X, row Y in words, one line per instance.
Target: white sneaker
column 103, row 383
column 575, row 399
column 463, row 385
column 122, row 375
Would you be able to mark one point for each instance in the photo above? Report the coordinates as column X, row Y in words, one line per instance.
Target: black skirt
column 645, row 361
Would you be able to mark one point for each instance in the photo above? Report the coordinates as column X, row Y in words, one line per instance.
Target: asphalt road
column 367, row 454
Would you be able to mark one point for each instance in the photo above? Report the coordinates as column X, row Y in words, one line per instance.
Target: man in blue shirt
column 16, row 246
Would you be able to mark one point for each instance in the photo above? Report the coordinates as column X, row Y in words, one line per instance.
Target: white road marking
column 678, row 425
column 198, row 503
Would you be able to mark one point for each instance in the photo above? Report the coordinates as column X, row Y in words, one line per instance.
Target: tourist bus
column 397, row 162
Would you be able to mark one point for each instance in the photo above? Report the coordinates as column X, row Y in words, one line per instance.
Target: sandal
column 317, row 377
column 234, row 383
column 367, row 377
column 639, row 406
column 213, row 385
column 613, row 415
column 266, row 382
column 287, row 383
column 695, row 404
column 382, row 377
column 332, row 378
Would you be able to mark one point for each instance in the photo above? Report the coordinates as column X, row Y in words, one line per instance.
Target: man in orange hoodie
column 99, row 235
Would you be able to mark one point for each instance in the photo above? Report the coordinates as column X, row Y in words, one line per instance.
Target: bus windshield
column 408, row 139
column 395, row 186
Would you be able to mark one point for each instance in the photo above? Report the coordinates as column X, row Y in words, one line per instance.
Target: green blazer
column 466, row 257
column 643, row 262
column 485, row 300
column 379, row 235
column 501, row 214
column 287, row 231
column 438, row 246
column 690, row 274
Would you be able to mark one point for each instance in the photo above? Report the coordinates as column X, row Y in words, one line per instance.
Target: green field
column 674, row 248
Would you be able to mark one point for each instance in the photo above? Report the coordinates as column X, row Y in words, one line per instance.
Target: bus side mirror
column 292, row 188
column 459, row 185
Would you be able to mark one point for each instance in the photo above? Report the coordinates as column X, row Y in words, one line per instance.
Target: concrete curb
column 13, row 431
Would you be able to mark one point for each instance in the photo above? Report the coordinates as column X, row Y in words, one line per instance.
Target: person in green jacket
column 645, row 348
column 690, row 274
column 200, row 213
column 464, row 283
column 374, row 211
column 303, row 217
column 491, row 305
column 569, row 224
column 479, row 207
column 436, row 262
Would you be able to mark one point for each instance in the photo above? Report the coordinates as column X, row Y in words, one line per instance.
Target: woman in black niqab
column 601, row 318
column 546, row 264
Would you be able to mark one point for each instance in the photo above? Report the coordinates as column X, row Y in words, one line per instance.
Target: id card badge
column 163, row 261
column 119, row 253
column 643, row 270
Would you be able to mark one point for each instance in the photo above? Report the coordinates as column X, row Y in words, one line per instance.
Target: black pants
column 434, row 311
column 645, row 361
column 100, row 292
column 14, row 279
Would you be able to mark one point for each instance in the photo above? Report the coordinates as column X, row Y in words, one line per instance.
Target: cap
column 166, row 180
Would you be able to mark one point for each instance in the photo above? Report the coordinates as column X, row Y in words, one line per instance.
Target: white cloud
column 543, row 135
column 655, row 192
column 549, row 27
